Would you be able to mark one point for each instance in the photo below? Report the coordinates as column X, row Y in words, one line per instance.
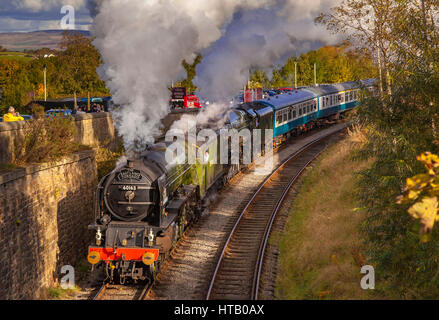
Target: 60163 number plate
column 128, row 188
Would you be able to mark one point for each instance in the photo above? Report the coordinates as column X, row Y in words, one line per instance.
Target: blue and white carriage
column 297, row 109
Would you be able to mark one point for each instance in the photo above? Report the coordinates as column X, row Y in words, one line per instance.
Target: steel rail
column 145, row 291
column 250, row 202
column 261, row 252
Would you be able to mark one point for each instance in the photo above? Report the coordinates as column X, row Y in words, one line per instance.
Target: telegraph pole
column 315, row 74
column 295, row 74
column 45, row 87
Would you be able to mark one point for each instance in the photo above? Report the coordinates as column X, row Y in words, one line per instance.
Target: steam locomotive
column 142, row 209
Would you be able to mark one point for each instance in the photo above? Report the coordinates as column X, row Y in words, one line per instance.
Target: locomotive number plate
column 128, row 188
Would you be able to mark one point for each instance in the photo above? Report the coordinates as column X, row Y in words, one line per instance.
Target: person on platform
column 12, row 115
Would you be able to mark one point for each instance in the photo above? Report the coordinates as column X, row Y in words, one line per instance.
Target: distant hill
column 18, row 41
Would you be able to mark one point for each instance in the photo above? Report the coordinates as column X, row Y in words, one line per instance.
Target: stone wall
column 93, row 129
column 96, row 129
column 44, row 213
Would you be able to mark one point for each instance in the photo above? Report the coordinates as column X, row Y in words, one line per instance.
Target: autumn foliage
column 71, row 70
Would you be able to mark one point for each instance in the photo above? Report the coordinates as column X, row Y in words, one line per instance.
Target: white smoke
column 254, row 39
column 143, row 42
column 214, row 114
column 120, row 163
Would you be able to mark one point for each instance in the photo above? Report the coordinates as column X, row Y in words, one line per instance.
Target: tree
column 368, row 24
column 15, row 84
column 277, row 79
column 78, row 64
column 259, row 79
column 400, row 126
column 334, row 64
column 191, row 73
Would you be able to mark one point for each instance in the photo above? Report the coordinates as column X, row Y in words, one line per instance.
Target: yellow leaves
column 430, row 160
column 427, row 184
column 426, row 211
column 414, row 187
column 419, row 181
column 412, row 195
column 334, row 259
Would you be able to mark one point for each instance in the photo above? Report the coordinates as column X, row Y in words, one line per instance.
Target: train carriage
column 291, row 110
column 336, row 98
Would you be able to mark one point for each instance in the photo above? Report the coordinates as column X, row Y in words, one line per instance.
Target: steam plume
column 143, row 42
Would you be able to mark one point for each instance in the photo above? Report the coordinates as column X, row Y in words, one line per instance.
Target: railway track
column 187, row 273
column 238, row 270
column 122, row 292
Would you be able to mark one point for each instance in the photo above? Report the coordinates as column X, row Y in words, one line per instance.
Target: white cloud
column 45, row 5
column 18, row 25
column 31, row 15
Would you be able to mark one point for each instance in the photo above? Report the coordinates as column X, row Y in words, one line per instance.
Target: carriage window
column 290, row 114
column 300, row 111
column 294, row 114
column 315, row 105
column 285, row 116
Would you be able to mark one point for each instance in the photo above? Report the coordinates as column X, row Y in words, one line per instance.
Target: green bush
column 399, row 128
column 46, row 139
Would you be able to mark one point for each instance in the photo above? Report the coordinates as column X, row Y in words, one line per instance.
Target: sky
column 32, row 15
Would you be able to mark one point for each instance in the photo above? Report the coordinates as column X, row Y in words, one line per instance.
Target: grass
column 15, row 56
column 321, row 249
column 58, row 293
